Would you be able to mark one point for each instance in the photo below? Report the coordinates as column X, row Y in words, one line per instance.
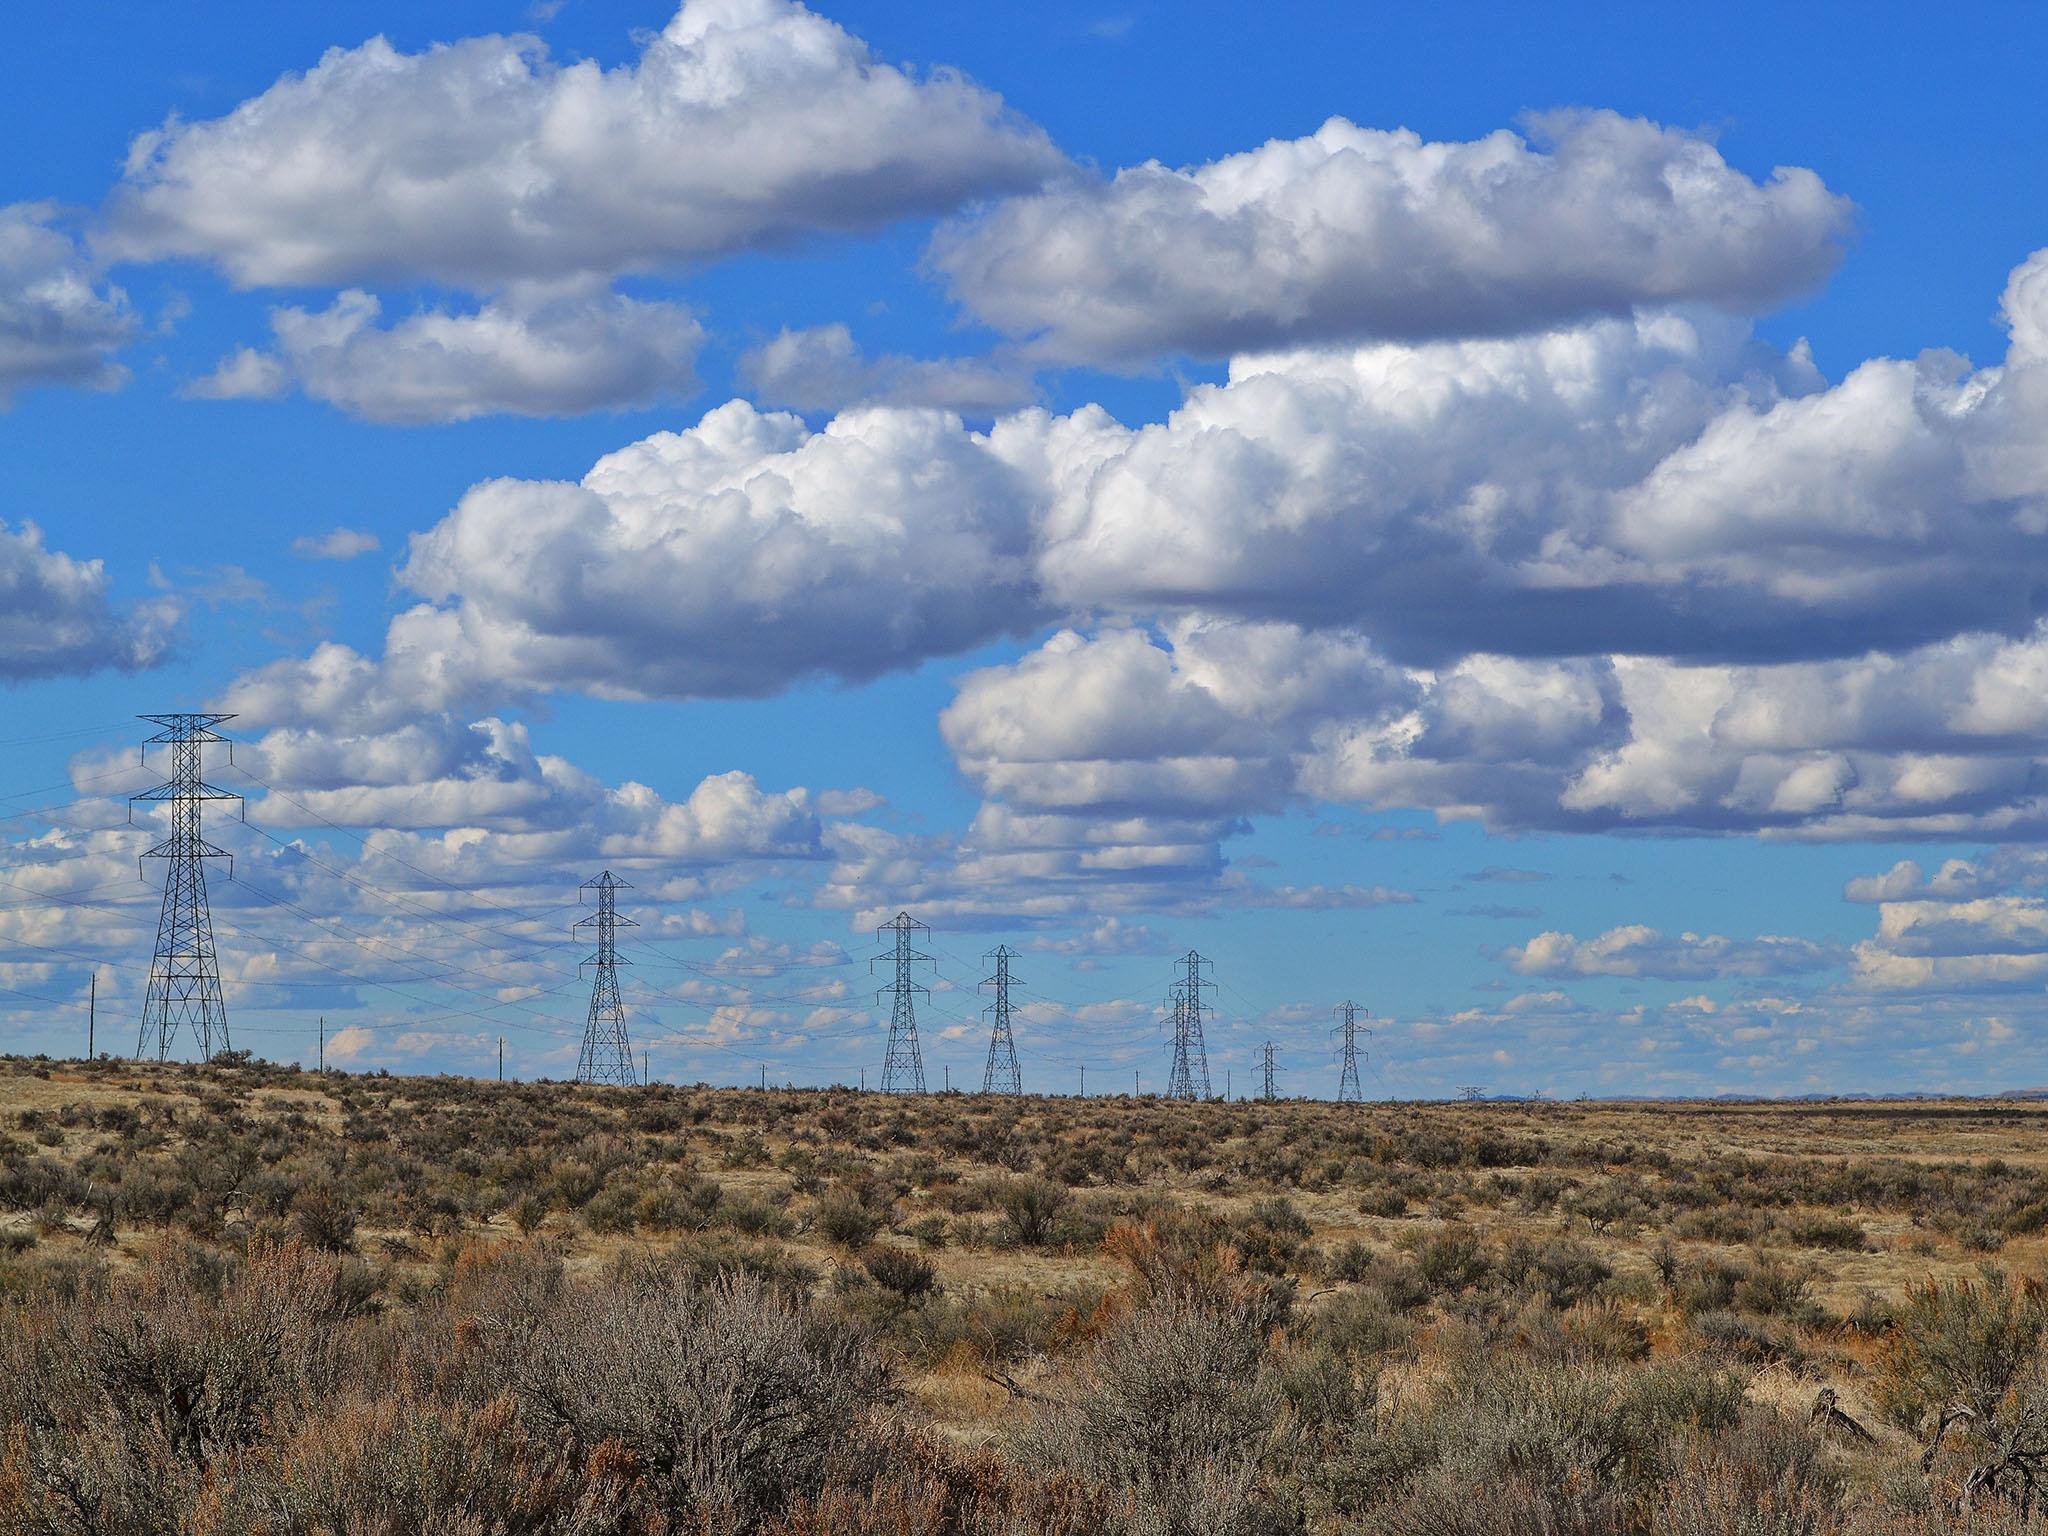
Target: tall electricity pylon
column 903, row 1067
column 184, row 974
column 607, row 1053
column 1001, row 1076
column 1348, row 1091
column 1189, row 1078
column 1271, row 1071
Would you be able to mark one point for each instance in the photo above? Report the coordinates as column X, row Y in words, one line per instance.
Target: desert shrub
column 402, row 1463
column 1967, row 1343
column 613, row 1209
column 1508, row 1445
column 732, row 1401
column 1564, row 1272
column 899, row 1271
column 324, row 1220
column 1814, row 1230
column 1451, row 1260
column 1765, row 1477
column 1029, row 1207
column 1384, row 1201
column 843, row 1219
column 1361, row 1324
column 120, row 1397
column 1176, row 1404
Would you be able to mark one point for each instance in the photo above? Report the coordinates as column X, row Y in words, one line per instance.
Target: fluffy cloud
column 1969, row 928
column 739, row 556
column 342, row 754
column 742, row 124
column 1463, row 509
column 823, row 369
column 1636, row 950
column 1656, row 486
column 1354, row 232
column 532, row 353
column 59, row 323
column 57, row 620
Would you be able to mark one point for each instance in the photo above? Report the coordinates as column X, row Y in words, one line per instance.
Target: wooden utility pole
column 323, row 1042
column 501, row 1058
column 92, row 1012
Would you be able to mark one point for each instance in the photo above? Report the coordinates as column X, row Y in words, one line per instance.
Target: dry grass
column 1389, row 1261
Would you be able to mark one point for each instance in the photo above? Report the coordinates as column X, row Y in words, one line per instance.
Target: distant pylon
column 1001, row 1075
column 1348, row 1091
column 1189, row 1078
column 1271, row 1071
column 903, row 1067
column 184, row 974
column 607, row 1053
column 1471, row 1092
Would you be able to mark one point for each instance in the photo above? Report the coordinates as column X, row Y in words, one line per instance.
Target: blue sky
column 1532, row 525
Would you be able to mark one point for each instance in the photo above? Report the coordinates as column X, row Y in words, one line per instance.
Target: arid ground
column 245, row 1298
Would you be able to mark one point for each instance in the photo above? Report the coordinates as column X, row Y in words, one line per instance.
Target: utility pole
column 1084, row 1082
column 903, row 1067
column 764, row 1077
column 646, row 1076
column 1347, row 1080
column 1190, row 1076
column 92, row 1012
column 323, row 1042
column 607, row 1055
column 184, row 973
column 1271, row 1070
column 1134, row 1082
column 1001, row 1075
column 501, row 1058
column 863, row 1079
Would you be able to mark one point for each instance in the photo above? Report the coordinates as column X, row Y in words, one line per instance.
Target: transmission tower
column 1189, row 1078
column 1347, row 1081
column 903, row 1067
column 1001, row 1076
column 1471, row 1093
column 607, row 1053
column 1271, row 1071
column 184, row 974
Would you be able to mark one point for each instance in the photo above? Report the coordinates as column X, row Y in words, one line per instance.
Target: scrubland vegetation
column 246, row 1299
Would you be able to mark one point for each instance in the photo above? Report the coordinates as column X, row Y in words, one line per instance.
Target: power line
column 184, row 977
column 1348, row 1091
column 1000, row 1075
column 1189, row 1077
column 607, row 1055
column 903, row 1067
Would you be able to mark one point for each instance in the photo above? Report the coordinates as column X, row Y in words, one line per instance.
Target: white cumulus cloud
column 60, row 322
column 529, row 353
column 1356, row 232
column 741, row 124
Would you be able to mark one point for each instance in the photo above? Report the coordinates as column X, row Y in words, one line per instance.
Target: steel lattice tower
column 184, row 974
column 607, row 1054
column 1270, row 1068
column 903, row 1067
column 1001, row 1075
column 1189, row 1078
column 1348, row 1091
